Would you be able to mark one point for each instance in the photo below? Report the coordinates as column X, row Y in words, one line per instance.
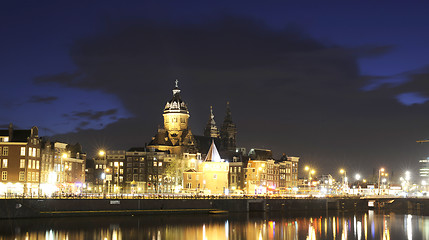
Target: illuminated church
column 177, row 138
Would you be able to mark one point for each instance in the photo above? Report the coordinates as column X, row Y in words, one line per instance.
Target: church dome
column 176, row 105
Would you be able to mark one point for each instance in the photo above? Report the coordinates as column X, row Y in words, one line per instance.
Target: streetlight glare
column 101, row 153
column 307, row 168
column 357, row 176
column 382, row 169
column 341, row 171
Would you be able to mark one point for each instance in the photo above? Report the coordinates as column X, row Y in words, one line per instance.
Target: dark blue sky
column 341, row 84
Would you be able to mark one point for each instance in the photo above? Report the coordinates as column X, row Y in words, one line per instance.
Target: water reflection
column 231, row 226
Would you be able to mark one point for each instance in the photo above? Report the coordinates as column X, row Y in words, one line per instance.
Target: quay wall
column 29, row 208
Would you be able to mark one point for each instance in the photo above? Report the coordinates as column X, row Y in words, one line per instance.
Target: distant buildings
column 173, row 161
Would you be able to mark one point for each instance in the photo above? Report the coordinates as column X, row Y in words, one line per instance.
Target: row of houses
column 33, row 166
column 145, row 170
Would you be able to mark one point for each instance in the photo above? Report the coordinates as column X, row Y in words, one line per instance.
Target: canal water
column 366, row 225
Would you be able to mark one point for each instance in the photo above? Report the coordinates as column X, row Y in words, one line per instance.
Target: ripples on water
column 367, row 225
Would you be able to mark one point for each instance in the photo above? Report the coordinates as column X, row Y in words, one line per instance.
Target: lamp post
column 407, row 179
column 62, row 180
column 345, row 184
column 380, row 173
column 310, row 172
column 102, row 155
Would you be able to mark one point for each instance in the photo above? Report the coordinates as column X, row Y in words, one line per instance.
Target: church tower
column 176, row 117
column 211, row 129
column 228, row 132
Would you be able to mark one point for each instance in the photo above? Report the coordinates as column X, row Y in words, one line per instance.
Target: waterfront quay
column 170, row 204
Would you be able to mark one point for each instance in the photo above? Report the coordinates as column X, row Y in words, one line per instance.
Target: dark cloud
column 90, row 115
column 288, row 91
column 42, row 99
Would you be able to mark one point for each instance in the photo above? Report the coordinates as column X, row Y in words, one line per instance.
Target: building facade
column 20, row 161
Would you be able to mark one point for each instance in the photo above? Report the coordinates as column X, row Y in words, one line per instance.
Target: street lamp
column 380, row 173
column 102, row 155
column 310, row 172
column 108, row 178
column 345, row 186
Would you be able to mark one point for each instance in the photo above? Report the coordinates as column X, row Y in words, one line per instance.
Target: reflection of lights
column 386, row 232
column 359, row 230
column 333, row 227
column 311, row 232
column 226, row 229
column 345, row 227
column 365, row 225
column 409, row 227
column 204, row 232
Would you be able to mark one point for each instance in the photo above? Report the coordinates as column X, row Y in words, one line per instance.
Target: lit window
column 29, row 164
column 34, row 152
column 22, row 151
column 4, row 163
column 22, row 163
column 154, row 164
column 96, row 166
column 4, row 176
column 34, row 164
column 121, row 164
column 21, row 176
column 38, row 152
column 0, row 151
column 28, row 176
column 160, row 164
column 37, row 176
column 33, row 176
column 37, row 164
column 5, row 151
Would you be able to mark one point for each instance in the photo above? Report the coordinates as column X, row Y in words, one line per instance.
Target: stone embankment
column 30, row 208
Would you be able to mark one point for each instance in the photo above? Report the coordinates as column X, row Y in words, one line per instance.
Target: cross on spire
column 177, row 83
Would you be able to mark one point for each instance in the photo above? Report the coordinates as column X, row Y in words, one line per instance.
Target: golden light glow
column 65, row 155
column 101, row 153
column 342, row 171
column 307, row 168
column 381, row 169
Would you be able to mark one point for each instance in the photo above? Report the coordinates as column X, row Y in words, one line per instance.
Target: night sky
column 342, row 84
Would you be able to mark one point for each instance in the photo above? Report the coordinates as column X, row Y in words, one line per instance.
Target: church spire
column 213, row 154
column 211, row 129
column 228, row 131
